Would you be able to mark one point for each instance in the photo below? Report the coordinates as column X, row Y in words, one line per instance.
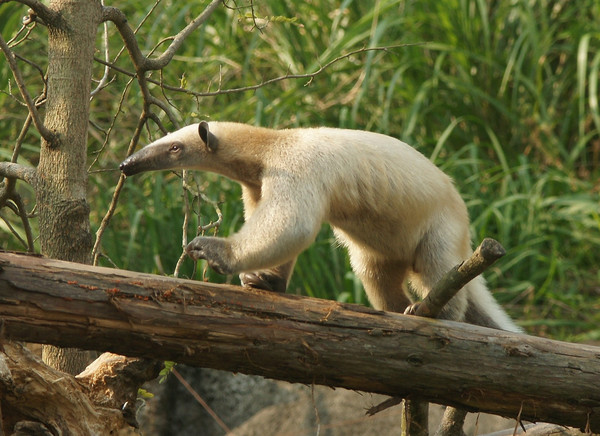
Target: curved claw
column 263, row 280
column 412, row 309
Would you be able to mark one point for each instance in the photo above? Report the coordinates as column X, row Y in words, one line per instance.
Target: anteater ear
column 209, row 139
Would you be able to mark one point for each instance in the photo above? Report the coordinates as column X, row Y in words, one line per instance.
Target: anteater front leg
column 266, row 247
column 216, row 251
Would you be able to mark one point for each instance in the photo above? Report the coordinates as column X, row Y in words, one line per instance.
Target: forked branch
column 49, row 16
column 141, row 62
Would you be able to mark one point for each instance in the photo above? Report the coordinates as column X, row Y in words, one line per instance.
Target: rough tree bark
column 61, row 181
column 300, row 339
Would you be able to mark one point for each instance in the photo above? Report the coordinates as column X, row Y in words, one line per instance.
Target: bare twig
column 112, row 124
column 13, row 42
column 196, row 193
column 141, row 62
column 200, row 400
column 178, row 40
column 390, row 402
column 17, row 149
column 42, row 74
column 186, row 220
column 310, row 76
column 140, row 24
column 12, row 229
column 213, row 224
column 37, row 121
column 120, row 20
column 104, row 78
column 22, row 212
column 113, row 204
column 49, row 16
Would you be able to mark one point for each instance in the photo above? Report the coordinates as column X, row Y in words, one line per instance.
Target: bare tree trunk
column 62, row 173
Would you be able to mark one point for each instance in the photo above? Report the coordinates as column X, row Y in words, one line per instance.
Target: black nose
column 126, row 166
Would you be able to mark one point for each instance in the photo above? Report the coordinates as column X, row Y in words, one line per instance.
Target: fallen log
column 299, row 339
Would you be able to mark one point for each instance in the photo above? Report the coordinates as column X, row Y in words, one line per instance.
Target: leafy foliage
column 503, row 96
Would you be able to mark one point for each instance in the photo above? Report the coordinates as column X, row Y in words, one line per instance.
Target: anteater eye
column 175, row 147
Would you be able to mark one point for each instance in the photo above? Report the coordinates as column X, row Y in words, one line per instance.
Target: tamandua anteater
column 398, row 214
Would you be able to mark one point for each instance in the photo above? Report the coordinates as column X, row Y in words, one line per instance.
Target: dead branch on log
column 442, row 292
column 299, row 339
column 488, row 252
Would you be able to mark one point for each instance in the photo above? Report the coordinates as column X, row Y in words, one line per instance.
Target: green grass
column 503, row 96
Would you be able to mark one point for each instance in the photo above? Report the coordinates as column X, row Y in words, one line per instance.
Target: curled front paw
column 215, row 250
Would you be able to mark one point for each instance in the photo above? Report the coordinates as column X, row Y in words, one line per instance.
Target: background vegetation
column 501, row 95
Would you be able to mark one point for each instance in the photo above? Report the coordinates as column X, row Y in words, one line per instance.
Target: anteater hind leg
column 383, row 280
column 273, row 279
column 437, row 253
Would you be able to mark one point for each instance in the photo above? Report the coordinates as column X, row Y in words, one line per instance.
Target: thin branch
column 141, row 62
column 186, row 220
column 165, row 108
column 30, row 18
column 178, row 40
column 139, row 26
column 11, row 228
column 200, row 400
column 20, row 139
column 22, row 212
column 117, row 16
column 104, row 78
column 46, row 134
column 112, row 124
column 38, row 69
column 196, row 193
column 49, row 16
column 113, row 204
column 220, row 91
column 106, row 220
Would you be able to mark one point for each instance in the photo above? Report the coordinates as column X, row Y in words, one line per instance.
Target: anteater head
column 189, row 147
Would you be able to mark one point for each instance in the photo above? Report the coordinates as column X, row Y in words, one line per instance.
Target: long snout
column 129, row 166
column 147, row 159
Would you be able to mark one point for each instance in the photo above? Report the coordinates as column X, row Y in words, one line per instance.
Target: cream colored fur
column 399, row 216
